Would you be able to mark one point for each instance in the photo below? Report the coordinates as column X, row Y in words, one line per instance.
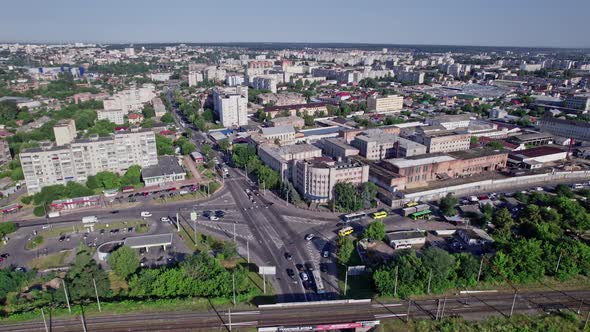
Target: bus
column 411, row 204
column 358, row 216
column 379, row 214
column 317, row 280
column 345, row 231
column 420, row 215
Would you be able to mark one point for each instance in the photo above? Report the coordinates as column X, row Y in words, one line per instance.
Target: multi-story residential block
column 337, row 148
column 280, row 158
column 297, row 110
column 5, row 155
column 85, row 157
column 231, row 105
column 315, row 178
column 414, row 77
column 577, row 130
column 159, row 107
column 116, row 116
column 385, row 103
column 215, row 74
column 264, row 83
column 234, row 80
column 131, row 99
column 450, row 122
column 194, row 77
column 579, row 102
column 377, row 145
column 64, row 132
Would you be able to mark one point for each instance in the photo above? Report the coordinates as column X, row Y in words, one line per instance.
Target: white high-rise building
column 194, row 77
column 114, row 116
column 131, row 99
column 86, row 157
column 231, row 105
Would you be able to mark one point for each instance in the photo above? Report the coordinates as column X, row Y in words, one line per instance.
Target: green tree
column 347, row 197
column 148, row 111
column 564, row 191
column 375, row 231
column 345, row 250
column 81, row 275
column 167, row 118
column 6, row 228
column 224, row 145
column 132, row 176
column 124, row 261
column 185, row 145
column 448, row 205
column 267, row 176
column 164, row 145
column 242, row 153
column 503, row 221
column 496, row 145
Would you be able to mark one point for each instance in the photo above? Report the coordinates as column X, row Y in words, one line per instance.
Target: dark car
column 288, row 256
column 309, row 266
column 291, row 273
column 115, row 211
column 5, row 255
column 299, row 267
column 62, row 238
column 207, row 214
column 323, row 267
column 219, row 214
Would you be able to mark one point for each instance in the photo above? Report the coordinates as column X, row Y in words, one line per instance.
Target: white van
column 145, row 214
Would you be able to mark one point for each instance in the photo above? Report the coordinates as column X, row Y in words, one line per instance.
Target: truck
column 89, row 220
column 53, row 214
column 409, row 210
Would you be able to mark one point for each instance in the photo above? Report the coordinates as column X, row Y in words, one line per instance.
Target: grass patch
column 50, row 261
column 118, row 284
column 34, row 242
column 179, row 198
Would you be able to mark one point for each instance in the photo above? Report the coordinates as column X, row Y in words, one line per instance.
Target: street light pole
column 429, row 280
column 44, row 320
column 66, row 293
column 248, row 250
column 234, row 232
column 177, row 223
column 346, row 281
column 513, row 303
column 233, row 279
column 395, row 287
column 480, row 266
column 96, row 292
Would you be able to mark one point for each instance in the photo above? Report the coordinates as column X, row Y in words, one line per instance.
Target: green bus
column 420, row 215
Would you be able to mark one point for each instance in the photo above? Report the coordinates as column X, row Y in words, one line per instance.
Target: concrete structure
column 315, row 178
column 535, row 139
column 294, row 121
column 443, row 141
column 298, row 110
column 149, row 241
column 65, row 132
column 135, row 118
column 385, row 103
column 167, row 170
column 159, row 107
column 450, row 122
column 579, row 102
column 85, row 157
column 264, row 83
column 116, row 116
column 280, row 158
column 413, row 77
column 194, row 78
column 234, row 80
column 283, row 135
column 337, row 148
column 132, row 99
column 281, row 99
column 160, row 77
column 378, row 145
column 578, row 130
column 231, row 105
column 4, row 152
column 537, row 157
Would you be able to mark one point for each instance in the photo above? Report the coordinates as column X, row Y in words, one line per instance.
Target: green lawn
column 50, row 261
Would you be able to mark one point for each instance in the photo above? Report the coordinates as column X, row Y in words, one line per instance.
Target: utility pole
column 248, row 250
column 66, row 293
column 586, row 323
column 443, row 308
column 513, row 303
column 408, row 314
column 234, row 232
column 264, row 282
column 229, row 314
column 83, row 322
column 233, row 280
column 195, row 231
column 96, row 292
column 437, row 309
column 44, row 320
column 395, row 287
column 558, row 261
column 480, row 266
column 346, row 281
column 429, row 280
column 177, row 223
column 287, row 200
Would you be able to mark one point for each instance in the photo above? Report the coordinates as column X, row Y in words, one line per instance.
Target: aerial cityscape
column 295, row 167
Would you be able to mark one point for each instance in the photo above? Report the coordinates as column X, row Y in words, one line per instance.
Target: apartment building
column 64, row 132
column 377, row 145
column 450, row 122
column 5, row 155
column 294, row 121
column 116, row 116
column 194, row 78
column 86, row 157
column 264, row 83
column 577, row 130
column 131, row 99
column 284, row 135
column 413, row 77
column 337, row 148
column 385, row 103
column 231, row 105
column 579, row 102
column 315, row 178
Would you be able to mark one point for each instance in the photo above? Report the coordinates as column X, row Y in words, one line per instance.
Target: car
column 207, row 213
column 219, row 214
column 299, row 267
column 102, row 232
column 85, row 236
column 165, row 219
column 324, row 267
column 303, row 276
column 326, row 254
column 288, row 256
column 248, row 191
column 130, row 229
column 309, row 266
column 539, row 189
column 309, row 237
column 213, row 218
column 68, row 238
column 115, row 211
column 1, row 259
column 145, row 214
column 62, row 238
column 5, row 255
column 290, row 273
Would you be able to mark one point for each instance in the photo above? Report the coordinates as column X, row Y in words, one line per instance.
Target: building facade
column 577, row 130
column 86, row 157
column 231, row 105
column 116, row 116
column 315, row 178
column 385, row 103
column 377, row 145
column 65, row 132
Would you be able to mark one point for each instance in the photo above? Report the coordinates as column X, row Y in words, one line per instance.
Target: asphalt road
column 471, row 307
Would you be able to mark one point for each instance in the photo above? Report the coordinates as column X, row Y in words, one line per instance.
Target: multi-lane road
column 473, row 306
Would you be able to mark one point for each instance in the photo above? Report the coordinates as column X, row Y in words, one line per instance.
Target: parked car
column 145, row 214
column 165, row 219
column 309, row 237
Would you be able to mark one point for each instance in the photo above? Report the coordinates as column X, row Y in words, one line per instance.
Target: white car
column 145, row 214
column 165, row 219
column 213, row 218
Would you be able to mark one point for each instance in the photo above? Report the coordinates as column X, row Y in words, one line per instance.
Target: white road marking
column 390, row 315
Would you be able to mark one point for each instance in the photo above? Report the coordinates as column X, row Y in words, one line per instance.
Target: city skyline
column 527, row 24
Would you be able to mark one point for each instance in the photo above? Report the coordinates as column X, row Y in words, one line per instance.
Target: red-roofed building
column 135, row 118
column 537, row 157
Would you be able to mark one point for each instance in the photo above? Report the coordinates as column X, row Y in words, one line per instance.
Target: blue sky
column 564, row 23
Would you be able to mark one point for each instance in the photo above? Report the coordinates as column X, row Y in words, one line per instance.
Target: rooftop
column 166, row 165
column 475, row 153
column 419, row 160
column 286, row 129
column 538, row 152
column 149, row 240
column 402, row 235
